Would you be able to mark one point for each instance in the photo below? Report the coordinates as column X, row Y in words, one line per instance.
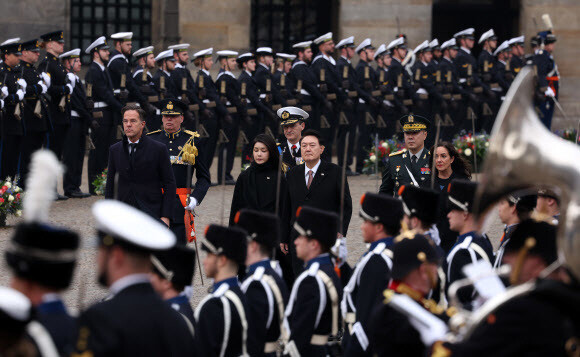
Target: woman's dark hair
column 274, row 156
column 459, row 164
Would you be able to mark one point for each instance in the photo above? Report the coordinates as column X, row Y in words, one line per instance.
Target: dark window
column 281, row 23
column 91, row 19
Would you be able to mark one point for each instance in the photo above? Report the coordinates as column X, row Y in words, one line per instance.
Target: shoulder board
column 398, row 152
column 192, row 133
column 154, row 132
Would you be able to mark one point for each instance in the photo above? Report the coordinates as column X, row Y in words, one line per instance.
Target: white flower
column 487, row 144
column 8, row 184
column 17, row 189
column 467, row 152
column 18, row 213
column 385, row 145
column 10, row 198
column 373, row 158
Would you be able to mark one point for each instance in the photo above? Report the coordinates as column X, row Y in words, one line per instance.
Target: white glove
column 70, row 88
column 192, row 204
column 22, row 83
column 44, row 87
column 4, row 92
column 549, row 92
column 339, row 249
column 73, row 80
column 46, row 78
column 20, row 95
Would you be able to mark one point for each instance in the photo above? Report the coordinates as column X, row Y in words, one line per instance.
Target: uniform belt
column 270, row 347
column 319, row 340
column 101, row 105
column 74, row 113
column 182, row 191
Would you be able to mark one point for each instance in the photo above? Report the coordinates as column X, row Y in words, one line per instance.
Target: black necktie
column 132, row 148
column 414, row 159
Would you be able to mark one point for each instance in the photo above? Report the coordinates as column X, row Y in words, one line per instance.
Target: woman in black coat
column 449, row 165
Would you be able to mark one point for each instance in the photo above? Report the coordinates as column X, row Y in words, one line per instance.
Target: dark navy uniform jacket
column 55, row 318
column 397, row 170
column 31, row 97
column 57, row 89
column 119, row 65
column 181, row 304
column 11, row 125
column 103, row 91
column 142, row 177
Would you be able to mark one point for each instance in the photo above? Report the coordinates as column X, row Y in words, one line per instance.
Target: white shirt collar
column 314, row 169
column 297, row 63
column 346, row 59
column 290, row 145
column 465, row 49
column 447, row 58
column 424, row 63
column 130, row 142
column 100, row 66
column 329, row 59
column 396, row 59
column 502, row 61
column 248, row 72
column 167, row 73
column 127, row 281
column 179, row 65
column 205, row 71
column 263, row 65
column 417, row 154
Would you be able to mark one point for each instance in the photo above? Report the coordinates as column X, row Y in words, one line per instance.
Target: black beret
column 317, row 224
column 538, row 238
column 262, row 227
column 420, row 202
column 172, row 106
column 176, row 264
column 379, row 208
column 410, row 252
column 43, row 254
column 228, row 241
column 461, row 194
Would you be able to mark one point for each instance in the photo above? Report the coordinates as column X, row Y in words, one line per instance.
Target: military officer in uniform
column 485, row 61
column 437, row 53
column 409, row 166
column 163, row 84
column 548, row 78
column 104, row 105
column 293, row 121
column 183, row 147
column 382, row 217
column 452, row 91
column 265, row 290
column 34, row 112
column 221, row 317
column 394, row 331
column 424, row 83
column 387, row 110
column 171, row 277
column 14, row 88
column 142, row 75
column 124, row 87
column 518, row 59
column 503, row 74
column 312, row 316
column 133, row 320
column 250, row 125
column 42, row 259
column 399, row 78
column 269, row 93
column 470, row 246
column 74, row 152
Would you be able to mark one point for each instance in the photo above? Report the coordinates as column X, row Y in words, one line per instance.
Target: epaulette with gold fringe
column 398, row 152
column 154, row 132
column 192, row 133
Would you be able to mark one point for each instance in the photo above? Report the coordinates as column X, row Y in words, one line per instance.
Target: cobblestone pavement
column 76, row 214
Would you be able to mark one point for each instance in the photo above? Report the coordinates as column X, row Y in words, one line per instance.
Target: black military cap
column 523, row 200
column 537, row 238
column 413, row 123
column 420, row 202
column 43, row 254
column 176, row 265
column 32, row 45
column 262, row 227
column 317, row 224
column 547, row 192
column 291, row 115
column 172, row 106
column 461, row 194
column 535, row 41
column 410, row 252
column 228, row 241
column 53, row 36
column 11, row 48
column 379, row 208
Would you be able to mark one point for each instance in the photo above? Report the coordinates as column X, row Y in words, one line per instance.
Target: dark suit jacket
column 142, row 179
column 135, row 322
column 57, row 321
column 324, row 193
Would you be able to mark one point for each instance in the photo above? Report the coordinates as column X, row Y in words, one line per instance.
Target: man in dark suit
column 292, row 120
column 140, row 171
column 183, row 152
column 172, row 275
column 133, row 320
column 318, row 184
column 409, row 166
column 42, row 259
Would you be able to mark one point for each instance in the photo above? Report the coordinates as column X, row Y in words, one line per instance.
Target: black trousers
column 57, row 139
column 103, row 137
column 209, row 144
column 178, row 228
column 231, row 131
column 73, row 155
column 32, row 141
column 11, row 148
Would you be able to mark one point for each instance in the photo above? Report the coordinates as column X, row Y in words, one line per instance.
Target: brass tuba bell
column 523, row 153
